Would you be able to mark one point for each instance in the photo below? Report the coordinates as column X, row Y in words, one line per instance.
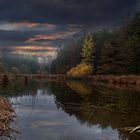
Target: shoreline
column 108, row 79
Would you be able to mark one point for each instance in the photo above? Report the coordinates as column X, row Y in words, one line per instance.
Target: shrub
column 80, row 70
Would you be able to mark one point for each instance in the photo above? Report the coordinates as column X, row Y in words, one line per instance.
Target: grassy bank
column 112, row 79
column 123, row 79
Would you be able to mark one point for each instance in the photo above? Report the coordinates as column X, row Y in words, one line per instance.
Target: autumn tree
column 88, row 50
column 85, row 68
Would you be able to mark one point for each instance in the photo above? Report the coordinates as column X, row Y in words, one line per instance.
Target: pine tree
column 88, row 50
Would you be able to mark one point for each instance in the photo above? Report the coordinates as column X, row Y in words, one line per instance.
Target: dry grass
column 7, row 115
column 123, row 79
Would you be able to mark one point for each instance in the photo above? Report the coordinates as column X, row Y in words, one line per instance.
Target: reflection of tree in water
column 115, row 99
column 80, row 87
column 19, row 89
column 101, row 105
column 89, row 104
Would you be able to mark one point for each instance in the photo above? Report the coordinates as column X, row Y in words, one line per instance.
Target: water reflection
column 74, row 110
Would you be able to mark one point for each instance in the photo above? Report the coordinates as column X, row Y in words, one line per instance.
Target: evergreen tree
column 132, row 43
column 88, row 50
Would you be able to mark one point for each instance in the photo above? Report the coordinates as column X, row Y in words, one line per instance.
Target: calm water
column 74, row 111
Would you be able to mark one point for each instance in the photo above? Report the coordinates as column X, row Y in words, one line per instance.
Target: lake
column 74, row 110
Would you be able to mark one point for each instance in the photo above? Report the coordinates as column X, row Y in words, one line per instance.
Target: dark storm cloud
column 12, row 35
column 66, row 11
column 29, row 24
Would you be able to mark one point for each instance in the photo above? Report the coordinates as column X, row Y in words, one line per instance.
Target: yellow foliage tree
column 80, row 70
column 88, row 50
column 85, row 68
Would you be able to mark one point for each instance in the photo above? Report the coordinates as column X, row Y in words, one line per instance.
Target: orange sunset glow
column 38, row 51
column 52, row 37
column 33, row 24
column 35, row 48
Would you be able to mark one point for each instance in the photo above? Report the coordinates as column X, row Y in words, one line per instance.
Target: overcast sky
column 38, row 27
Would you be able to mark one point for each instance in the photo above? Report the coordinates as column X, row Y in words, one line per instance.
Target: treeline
column 108, row 52
column 67, row 57
column 16, row 64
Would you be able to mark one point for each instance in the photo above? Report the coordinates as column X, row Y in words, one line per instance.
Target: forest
column 105, row 52
column 16, row 64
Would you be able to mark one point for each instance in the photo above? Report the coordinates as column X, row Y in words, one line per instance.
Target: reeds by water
column 7, row 115
column 123, row 79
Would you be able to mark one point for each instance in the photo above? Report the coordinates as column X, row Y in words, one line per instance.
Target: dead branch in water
column 131, row 130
